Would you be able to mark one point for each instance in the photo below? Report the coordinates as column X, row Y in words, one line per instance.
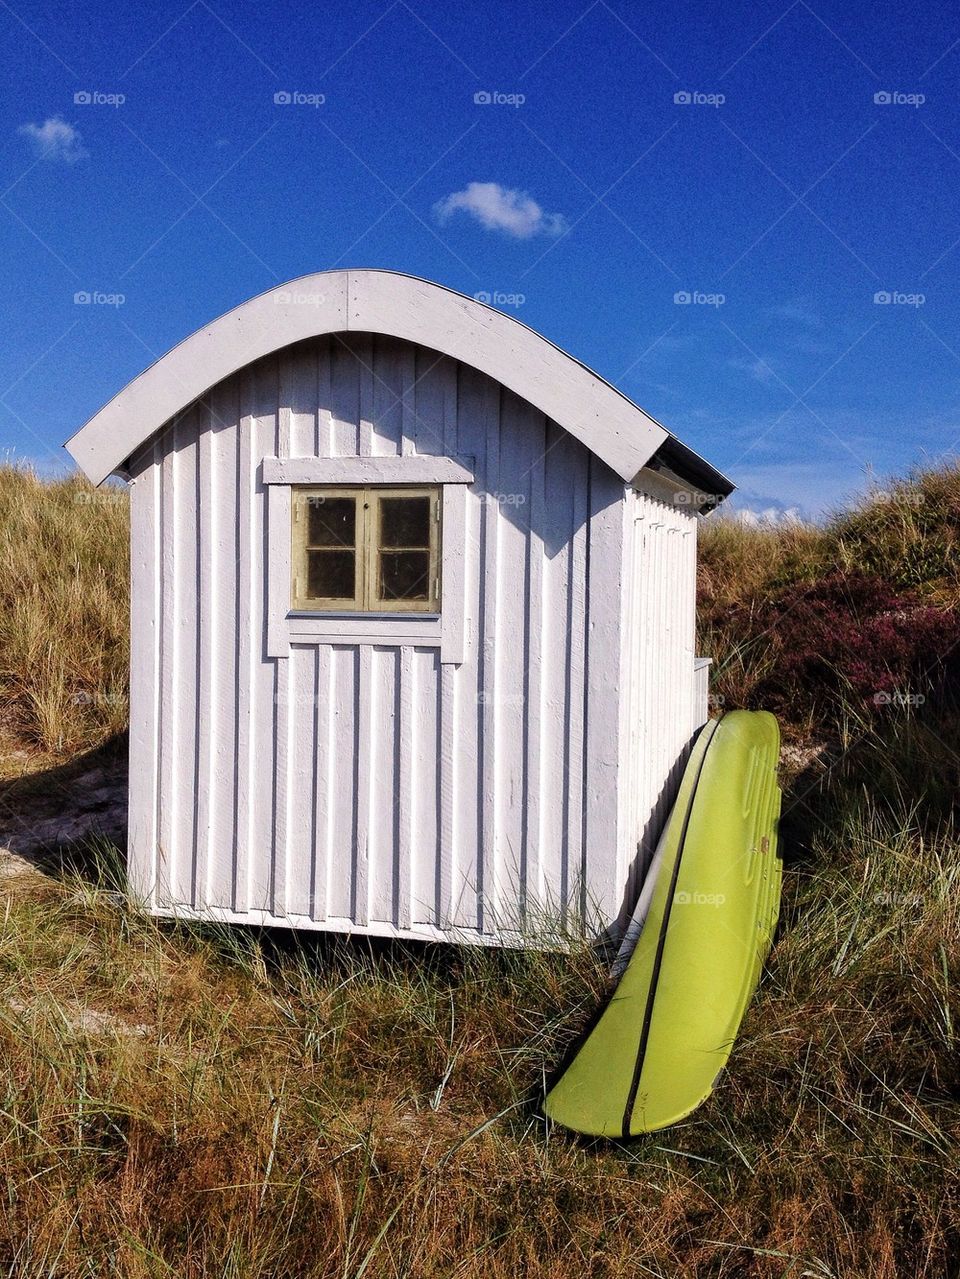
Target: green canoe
column 656, row 1051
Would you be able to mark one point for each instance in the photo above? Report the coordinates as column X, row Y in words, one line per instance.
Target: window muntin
column 366, row 549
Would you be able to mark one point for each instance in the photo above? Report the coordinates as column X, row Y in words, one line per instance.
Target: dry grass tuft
column 63, row 611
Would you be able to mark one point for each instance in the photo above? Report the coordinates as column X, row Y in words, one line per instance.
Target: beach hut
column 412, row 619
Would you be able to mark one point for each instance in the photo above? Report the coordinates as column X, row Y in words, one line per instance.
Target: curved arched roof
column 401, row 306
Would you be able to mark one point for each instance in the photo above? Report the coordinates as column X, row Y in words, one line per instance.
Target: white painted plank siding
column 372, row 786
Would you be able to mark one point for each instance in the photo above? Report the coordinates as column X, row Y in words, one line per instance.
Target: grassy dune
column 194, row 1101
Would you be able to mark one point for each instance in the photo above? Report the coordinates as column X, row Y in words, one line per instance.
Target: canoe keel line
column 656, row 1051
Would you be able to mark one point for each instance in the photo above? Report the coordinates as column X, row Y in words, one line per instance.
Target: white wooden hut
column 412, row 645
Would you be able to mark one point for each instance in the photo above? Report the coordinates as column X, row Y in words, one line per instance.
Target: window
column 366, row 550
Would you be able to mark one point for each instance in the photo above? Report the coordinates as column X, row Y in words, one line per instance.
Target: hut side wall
column 660, row 634
column 369, row 787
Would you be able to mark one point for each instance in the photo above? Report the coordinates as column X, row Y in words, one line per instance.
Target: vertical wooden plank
column 447, row 867
column 408, row 401
column 453, row 584
column 344, row 398
column 284, row 713
column 324, row 440
column 298, row 401
column 536, row 431
column 436, row 388
column 145, row 676
column 573, row 879
column 302, row 790
column 260, row 762
column 218, row 615
column 511, row 507
column 363, row 349
column 423, row 868
column 603, row 795
column 342, row 790
column 488, row 677
column 323, row 766
column 556, row 523
column 365, row 712
column 477, row 414
column 246, row 639
column 384, row 799
column 387, row 417
column 410, row 747
column 186, row 553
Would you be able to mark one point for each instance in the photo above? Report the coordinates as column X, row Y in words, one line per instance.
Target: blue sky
column 580, row 191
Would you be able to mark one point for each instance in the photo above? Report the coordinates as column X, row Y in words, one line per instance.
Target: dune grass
column 191, row 1101
column 64, row 603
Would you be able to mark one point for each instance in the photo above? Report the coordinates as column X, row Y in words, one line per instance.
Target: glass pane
column 331, row 575
column 331, row 521
column 405, row 575
column 405, row 521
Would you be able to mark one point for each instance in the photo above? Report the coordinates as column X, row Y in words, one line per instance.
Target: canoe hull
column 656, row 1051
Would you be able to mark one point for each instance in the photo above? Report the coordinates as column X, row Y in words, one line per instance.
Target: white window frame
column 447, row 630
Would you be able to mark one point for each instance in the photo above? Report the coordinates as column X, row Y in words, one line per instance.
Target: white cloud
column 797, row 312
column 769, row 517
column 759, row 370
column 499, row 208
column 55, row 139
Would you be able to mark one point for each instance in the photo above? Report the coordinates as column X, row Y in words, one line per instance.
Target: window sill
column 364, row 628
